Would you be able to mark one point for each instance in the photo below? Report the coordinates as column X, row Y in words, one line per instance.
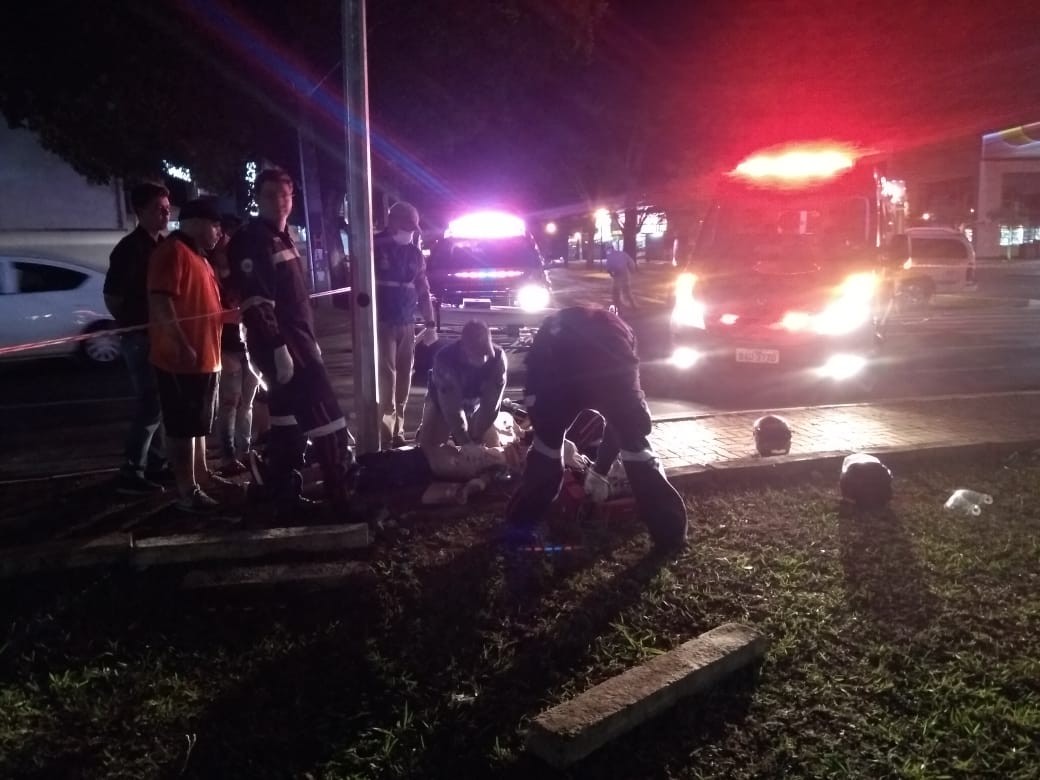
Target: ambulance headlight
column 532, row 297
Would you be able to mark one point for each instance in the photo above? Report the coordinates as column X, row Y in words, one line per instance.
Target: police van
column 487, row 265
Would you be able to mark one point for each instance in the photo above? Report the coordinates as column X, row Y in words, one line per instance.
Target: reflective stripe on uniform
column 284, row 256
column 324, row 430
column 391, row 283
column 256, row 300
column 283, row 419
column 543, row 448
column 641, row 456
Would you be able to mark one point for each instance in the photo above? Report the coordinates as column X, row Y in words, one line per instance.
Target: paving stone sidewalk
column 720, row 437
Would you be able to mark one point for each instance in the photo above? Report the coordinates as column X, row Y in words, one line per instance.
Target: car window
column 899, row 248
column 36, row 278
column 936, row 248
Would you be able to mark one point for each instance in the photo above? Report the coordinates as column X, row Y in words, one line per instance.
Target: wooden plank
column 240, row 545
column 572, row 730
column 310, row 576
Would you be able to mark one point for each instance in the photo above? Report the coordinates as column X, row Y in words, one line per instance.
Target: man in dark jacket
column 126, row 295
column 585, row 358
column 268, row 281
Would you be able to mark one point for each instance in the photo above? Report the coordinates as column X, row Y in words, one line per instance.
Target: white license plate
column 758, row 356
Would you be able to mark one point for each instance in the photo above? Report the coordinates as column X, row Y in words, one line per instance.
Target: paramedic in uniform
column 464, row 392
column 585, row 358
column 267, row 278
column 402, row 292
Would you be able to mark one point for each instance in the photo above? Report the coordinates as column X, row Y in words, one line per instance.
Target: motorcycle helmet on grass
column 772, row 435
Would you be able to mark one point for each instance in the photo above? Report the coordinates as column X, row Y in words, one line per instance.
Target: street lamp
column 550, row 228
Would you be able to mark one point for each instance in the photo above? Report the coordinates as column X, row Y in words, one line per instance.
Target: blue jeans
column 238, row 386
column 144, row 442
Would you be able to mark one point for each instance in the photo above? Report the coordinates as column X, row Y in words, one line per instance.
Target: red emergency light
column 796, row 165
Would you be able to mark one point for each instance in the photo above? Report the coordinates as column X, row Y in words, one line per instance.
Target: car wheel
column 103, row 348
column 915, row 294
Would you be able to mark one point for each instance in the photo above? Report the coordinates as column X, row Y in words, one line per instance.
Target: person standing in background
column 126, row 296
column 238, row 383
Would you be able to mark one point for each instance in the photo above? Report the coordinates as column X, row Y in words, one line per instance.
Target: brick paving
column 709, row 439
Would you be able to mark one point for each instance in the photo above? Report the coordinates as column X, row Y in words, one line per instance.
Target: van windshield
column 515, row 252
column 745, row 231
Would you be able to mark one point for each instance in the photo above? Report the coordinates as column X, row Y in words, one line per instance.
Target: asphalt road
column 983, row 343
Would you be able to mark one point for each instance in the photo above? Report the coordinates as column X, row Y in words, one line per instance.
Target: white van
column 930, row 260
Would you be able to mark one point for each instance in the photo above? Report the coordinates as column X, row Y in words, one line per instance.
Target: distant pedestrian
column 126, row 295
column 402, row 292
column 238, row 383
column 621, row 266
column 267, row 278
column 186, row 319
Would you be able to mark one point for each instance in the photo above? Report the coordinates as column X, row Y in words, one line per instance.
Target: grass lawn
column 905, row 644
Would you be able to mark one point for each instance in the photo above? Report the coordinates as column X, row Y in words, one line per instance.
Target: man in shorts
column 185, row 318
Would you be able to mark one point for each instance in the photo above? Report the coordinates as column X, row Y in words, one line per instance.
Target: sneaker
column 215, row 479
column 198, row 503
column 134, row 483
column 398, row 441
column 232, row 468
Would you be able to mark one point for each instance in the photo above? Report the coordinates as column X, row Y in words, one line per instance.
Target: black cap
column 200, row 208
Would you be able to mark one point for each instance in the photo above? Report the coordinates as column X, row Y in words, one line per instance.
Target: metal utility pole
column 304, row 186
column 359, row 193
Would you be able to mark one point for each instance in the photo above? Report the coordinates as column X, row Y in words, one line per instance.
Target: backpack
column 391, row 470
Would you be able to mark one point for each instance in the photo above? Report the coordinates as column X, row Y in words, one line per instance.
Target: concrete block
column 55, row 556
column 308, row 576
column 572, row 730
column 239, row 545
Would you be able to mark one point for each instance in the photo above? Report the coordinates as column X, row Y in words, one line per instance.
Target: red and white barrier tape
column 13, row 348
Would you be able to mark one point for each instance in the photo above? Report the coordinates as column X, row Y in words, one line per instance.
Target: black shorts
column 188, row 401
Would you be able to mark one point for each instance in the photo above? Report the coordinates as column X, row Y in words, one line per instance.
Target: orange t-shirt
column 176, row 270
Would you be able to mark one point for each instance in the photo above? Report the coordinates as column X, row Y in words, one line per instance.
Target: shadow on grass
column 156, row 632
column 345, row 697
column 884, row 577
column 543, row 661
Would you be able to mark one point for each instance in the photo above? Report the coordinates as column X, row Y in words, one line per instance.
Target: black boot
column 659, row 504
column 335, row 458
column 530, row 504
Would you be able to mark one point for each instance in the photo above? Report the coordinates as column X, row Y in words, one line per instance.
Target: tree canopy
column 529, row 103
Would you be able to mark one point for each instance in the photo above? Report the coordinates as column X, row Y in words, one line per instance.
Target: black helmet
column 772, row 435
column 865, row 481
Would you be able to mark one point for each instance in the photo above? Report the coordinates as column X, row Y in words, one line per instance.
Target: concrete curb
column 784, row 468
column 124, row 549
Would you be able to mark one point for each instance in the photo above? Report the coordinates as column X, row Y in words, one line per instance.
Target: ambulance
column 788, row 271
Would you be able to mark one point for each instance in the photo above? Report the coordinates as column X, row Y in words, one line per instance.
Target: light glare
column 486, row 224
column 842, row 366
column 684, row 358
column 532, row 297
column 797, row 164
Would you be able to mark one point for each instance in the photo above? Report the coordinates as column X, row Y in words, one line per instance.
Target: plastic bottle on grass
column 967, row 502
column 980, row 499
